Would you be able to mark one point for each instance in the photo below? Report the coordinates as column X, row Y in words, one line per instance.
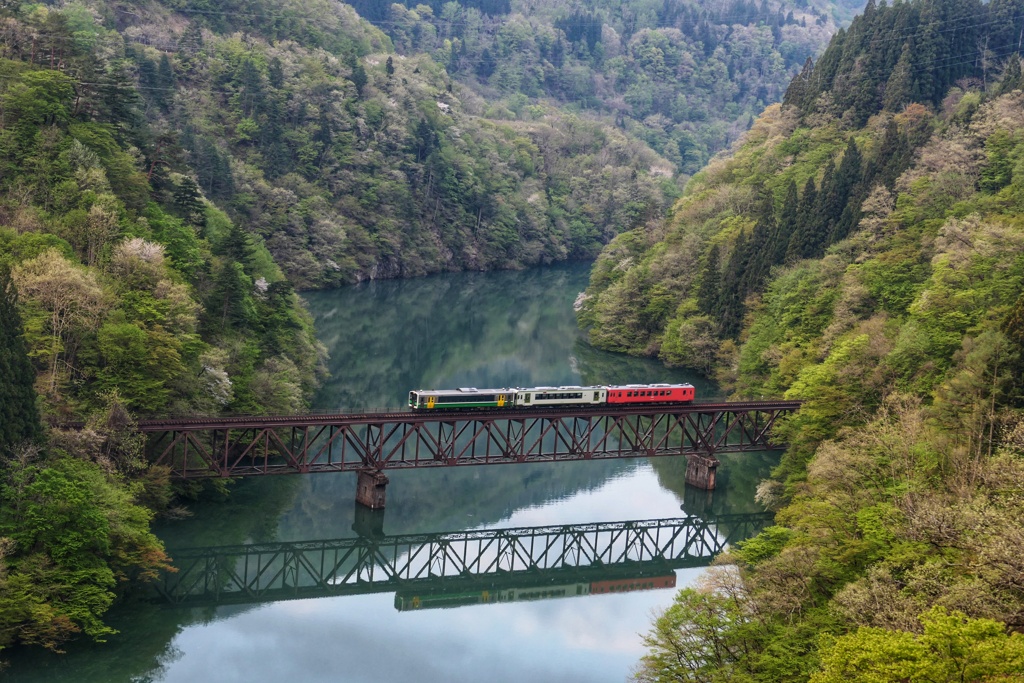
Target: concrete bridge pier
column 701, row 470
column 370, row 489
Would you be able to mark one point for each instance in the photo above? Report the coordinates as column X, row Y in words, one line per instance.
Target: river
column 384, row 338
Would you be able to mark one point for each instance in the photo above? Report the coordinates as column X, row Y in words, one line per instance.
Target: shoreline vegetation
column 860, row 250
column 171, row 178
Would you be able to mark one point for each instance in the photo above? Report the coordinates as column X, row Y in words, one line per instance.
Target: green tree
column 699, row 639
column 952, row 649
column 900, row 88
column 708, row 292
column 804, row 239
column 38, row 98
column 76, row 536
column 789, row 221
column 19, row 417
column 189, row 202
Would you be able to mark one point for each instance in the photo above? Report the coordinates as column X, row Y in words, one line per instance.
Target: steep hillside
column 117, row 299
column 354, row 163
column 687, row 77
column 860, row 250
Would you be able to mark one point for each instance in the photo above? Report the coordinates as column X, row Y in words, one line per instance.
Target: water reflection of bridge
column 423, row 569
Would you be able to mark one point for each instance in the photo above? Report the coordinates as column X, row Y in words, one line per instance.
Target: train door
column 430, row 401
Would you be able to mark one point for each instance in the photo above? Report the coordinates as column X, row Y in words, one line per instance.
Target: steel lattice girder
column 431, row 562
column 366, row 442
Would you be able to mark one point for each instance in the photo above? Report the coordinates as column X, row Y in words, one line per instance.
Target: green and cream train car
column 466, row 397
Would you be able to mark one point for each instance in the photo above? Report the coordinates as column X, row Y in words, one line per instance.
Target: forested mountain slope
column 169, row 173
column 687, row 77
column 862, row 250
column 353, row 163
column 123, row 293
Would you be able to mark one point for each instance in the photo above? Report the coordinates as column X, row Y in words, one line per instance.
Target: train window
column 466, row 399
column 629, row 394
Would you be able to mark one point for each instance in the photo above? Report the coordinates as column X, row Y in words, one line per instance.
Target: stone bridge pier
column 701, row 470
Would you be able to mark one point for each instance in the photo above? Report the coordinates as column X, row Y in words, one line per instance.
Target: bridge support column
column 701, row 470
column 370, row 489
column 368, row 523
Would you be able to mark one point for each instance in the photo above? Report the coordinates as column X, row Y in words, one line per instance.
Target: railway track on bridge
column 371, row 443
column 257, row 421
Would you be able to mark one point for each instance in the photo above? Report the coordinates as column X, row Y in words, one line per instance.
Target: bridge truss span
column 475, row 560
column 248, row 446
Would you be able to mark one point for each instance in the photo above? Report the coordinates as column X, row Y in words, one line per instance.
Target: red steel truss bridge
column 373, row 442
column 443, row 569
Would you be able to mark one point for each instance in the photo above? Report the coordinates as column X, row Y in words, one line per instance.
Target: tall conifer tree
column 804, row 239
column 788, row 223
column 19, row 417
column 731, row 296
column 710, row 283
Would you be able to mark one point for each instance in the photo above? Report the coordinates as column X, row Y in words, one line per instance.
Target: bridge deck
column 247, row 446
column 199, row 423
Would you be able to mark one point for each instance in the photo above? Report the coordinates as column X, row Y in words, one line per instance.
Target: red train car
column 650, row 393
column 624, row 585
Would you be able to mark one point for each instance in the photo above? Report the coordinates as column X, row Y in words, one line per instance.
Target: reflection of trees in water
column 444, row 498
column 736, row 483
column 145, row 646
column 603, row 367
column 463, row 329
column 386, row 337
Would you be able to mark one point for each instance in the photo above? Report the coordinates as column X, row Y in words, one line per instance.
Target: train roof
column 463, row 390
column 474, row 390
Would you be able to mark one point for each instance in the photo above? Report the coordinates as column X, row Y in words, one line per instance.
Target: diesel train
column 549, row 397
column 405, row 603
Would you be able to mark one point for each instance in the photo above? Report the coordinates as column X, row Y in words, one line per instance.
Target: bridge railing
column 376, row 442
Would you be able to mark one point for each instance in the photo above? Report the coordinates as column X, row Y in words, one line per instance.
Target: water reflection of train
column 407, row 602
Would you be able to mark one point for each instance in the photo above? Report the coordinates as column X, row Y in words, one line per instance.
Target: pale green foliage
column 952, row 648
column 698, row 638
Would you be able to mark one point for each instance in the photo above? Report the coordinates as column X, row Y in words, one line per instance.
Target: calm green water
column 471, row 329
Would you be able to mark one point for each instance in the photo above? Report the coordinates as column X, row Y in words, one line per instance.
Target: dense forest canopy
column 124, row 292
column 353, row 162
column 170, row 174
column 860, row 249
column 685, row 77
